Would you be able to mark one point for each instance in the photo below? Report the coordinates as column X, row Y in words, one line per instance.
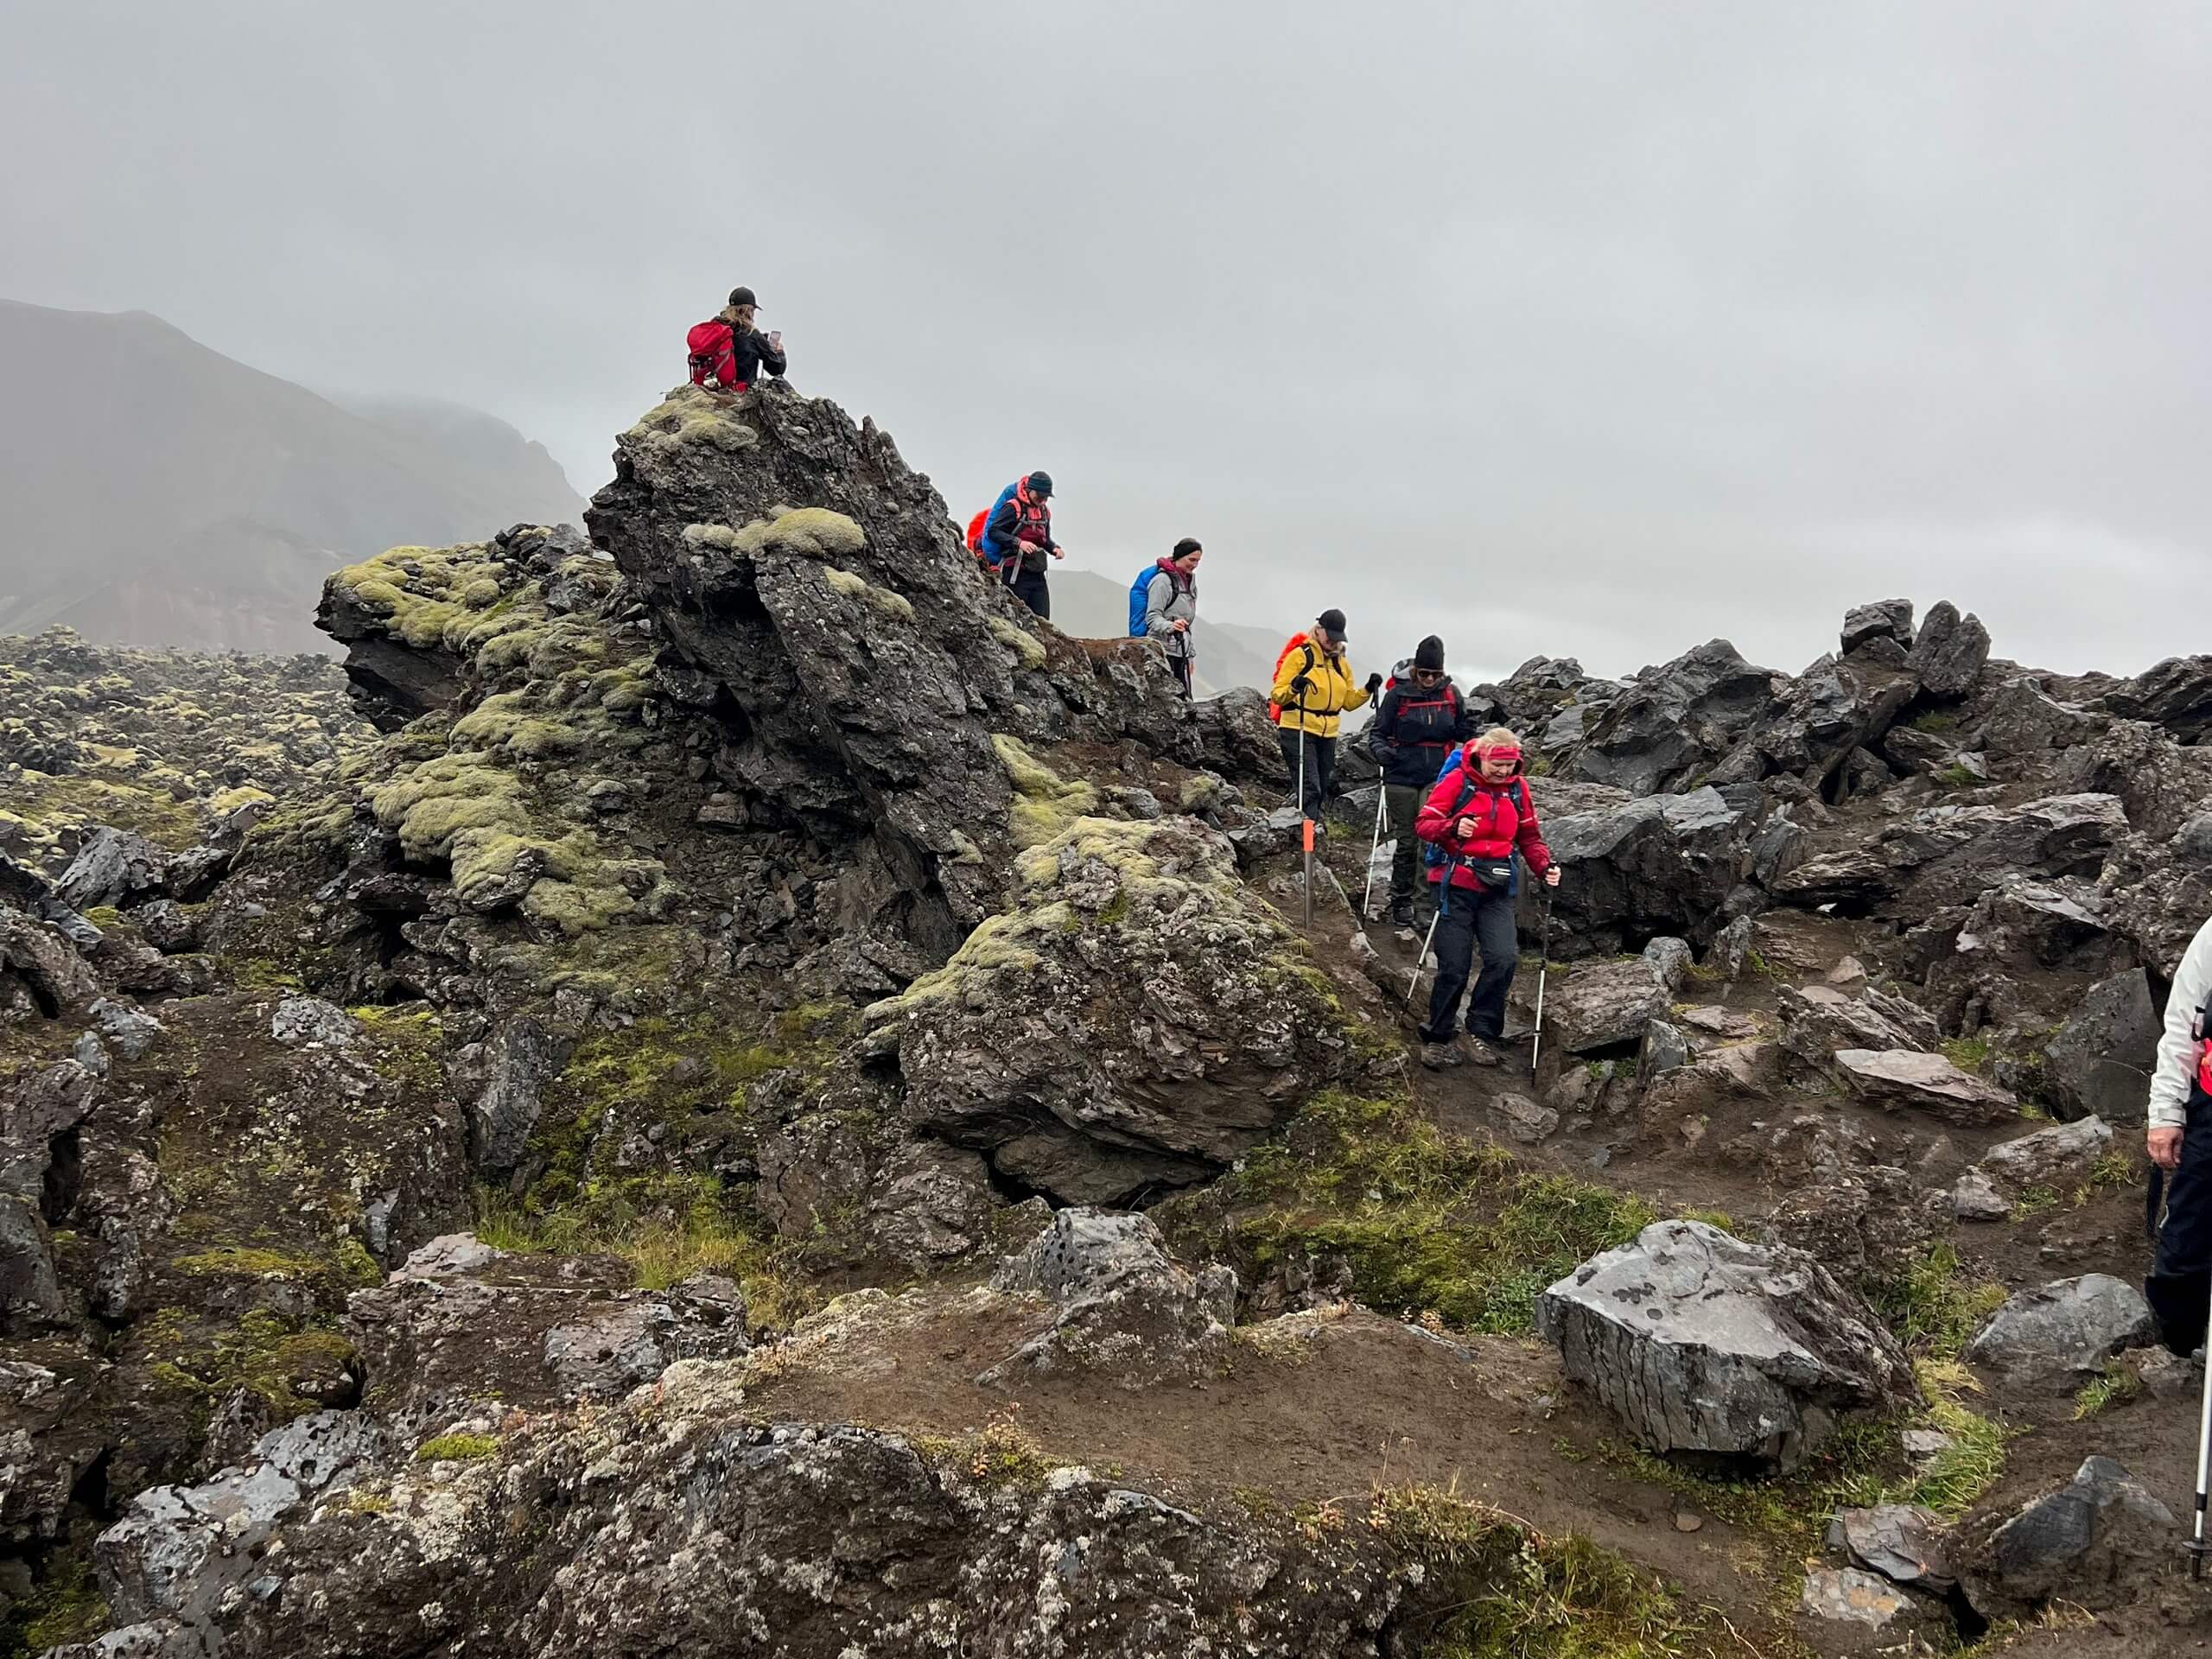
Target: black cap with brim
column 743, row 296
column 1040, row 483
column 1331, row 623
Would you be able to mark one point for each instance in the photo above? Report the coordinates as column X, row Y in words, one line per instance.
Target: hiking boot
column 1441, row 1057
column 1401, row 912
column 1480, row 1052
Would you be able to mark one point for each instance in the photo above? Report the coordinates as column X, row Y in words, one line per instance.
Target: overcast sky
column 1587, row 329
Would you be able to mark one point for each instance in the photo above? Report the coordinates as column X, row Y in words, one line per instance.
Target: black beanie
column 1040, row 483
column 1429, row 654
column 1188, row 544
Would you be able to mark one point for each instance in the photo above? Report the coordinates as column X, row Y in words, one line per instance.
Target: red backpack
column 709, row 344
column 976, row 532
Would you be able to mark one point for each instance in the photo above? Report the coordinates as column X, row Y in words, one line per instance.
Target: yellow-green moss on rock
column 1044, row 804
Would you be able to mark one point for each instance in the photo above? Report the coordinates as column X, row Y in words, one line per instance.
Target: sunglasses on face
column 1428, row 676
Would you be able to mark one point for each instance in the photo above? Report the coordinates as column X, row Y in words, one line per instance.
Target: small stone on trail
column 1686, row 1521
column 1973, row 1199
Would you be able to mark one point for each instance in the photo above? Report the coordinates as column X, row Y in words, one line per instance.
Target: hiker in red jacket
column 1478, row 817
column 729, row 350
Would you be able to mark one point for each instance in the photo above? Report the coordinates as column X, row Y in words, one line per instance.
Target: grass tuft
column 1429, row 1222
column 1964, row 1471
column 1933, row 1307
column 2114, row 1386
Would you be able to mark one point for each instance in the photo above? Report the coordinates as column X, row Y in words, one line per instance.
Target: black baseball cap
column 1040, row 483
column 1331, row 623
column 743, row 296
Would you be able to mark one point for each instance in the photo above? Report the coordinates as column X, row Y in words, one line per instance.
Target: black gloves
column 1300, row 685
column 1374, row 683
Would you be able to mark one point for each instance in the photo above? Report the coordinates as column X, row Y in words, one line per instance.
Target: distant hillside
column 158, row 492
column 1091, row 606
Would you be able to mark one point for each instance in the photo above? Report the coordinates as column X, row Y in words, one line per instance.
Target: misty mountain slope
column 159, row 493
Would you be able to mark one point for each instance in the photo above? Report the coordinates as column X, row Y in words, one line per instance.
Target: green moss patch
column 695, row 1079
column 1429, row 1222
column 1044, row 806
column 294, row 1365
column 458, row 1448
column 1501, row 1590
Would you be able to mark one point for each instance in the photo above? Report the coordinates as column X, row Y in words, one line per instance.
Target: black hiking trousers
column 1470, row 919
column 2180, row 1288
column 1029, row 587
column 1402, row 803
column 1320, row 766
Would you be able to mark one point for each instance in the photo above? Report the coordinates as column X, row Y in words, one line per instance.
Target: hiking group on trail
column 1464, row 799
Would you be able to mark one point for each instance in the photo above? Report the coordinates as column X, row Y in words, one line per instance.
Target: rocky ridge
column 505, row 1140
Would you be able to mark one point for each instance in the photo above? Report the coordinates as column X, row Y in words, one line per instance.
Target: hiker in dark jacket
column 1170, row 604
column 1422, row 718
column 727, row 351
column 1019, row 537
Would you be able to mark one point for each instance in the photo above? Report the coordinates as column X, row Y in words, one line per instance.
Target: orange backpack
column 1274, row 709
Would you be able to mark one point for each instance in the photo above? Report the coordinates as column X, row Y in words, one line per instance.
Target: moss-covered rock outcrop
column 167, row 744
column 1135, row 1022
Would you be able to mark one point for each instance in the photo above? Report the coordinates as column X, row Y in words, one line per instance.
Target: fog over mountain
column 158, row 492
column 1570, row 329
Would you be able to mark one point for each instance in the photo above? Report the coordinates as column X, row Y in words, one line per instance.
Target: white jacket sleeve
column 2177, row 1049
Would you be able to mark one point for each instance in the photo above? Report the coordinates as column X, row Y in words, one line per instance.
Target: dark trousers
column 1320, row 766
column 1182, row 667
column 1029, row 587
column 1402, row 804
column 2180, row 1284
column 1470, row 919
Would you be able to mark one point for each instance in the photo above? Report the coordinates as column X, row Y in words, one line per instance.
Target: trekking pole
column 2196, row 1547
column 1305, row 817
column 1543, row 967
column 1367, row 898
column 1443, row 903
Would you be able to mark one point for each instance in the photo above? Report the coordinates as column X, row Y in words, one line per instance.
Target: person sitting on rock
column 1017, row 536
column 728, row 350
column 1421, row 719
column 1478, row 817
column 1170, row 604
column 2179, row 1140
column 1313, row 688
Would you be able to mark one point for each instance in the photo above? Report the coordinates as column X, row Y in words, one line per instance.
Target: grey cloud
column 1587, row 330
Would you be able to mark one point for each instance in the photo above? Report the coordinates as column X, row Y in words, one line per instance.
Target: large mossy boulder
column 1136, row 1022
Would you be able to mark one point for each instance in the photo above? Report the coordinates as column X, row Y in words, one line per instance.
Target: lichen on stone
column 1044, row 804
column 1026, row 648
column 881, row 599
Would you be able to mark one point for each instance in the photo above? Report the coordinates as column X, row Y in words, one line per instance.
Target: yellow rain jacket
column 1334, row 690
